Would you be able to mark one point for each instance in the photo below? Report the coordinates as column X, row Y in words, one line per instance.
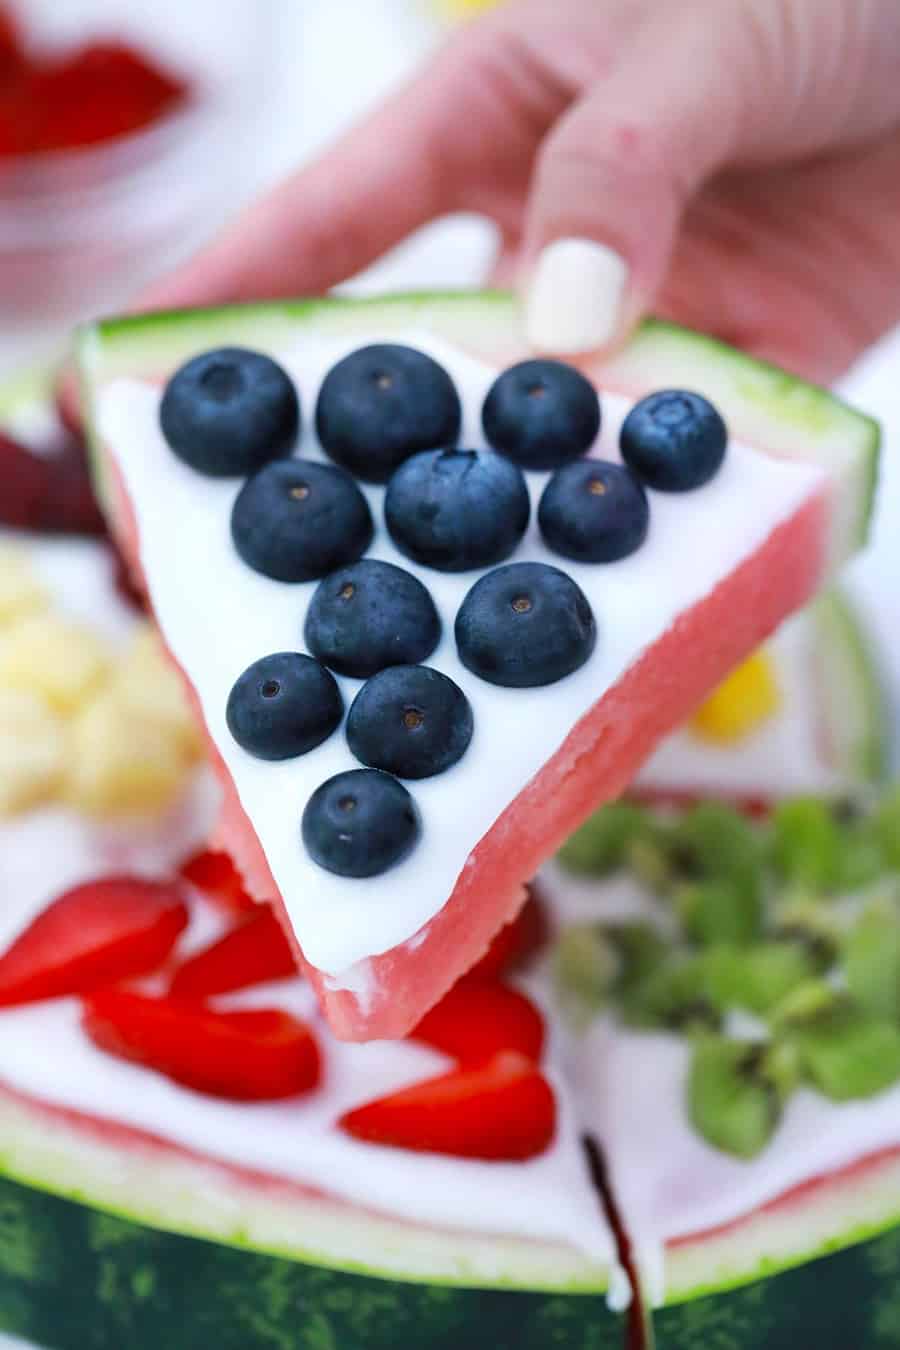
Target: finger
column 615, row 175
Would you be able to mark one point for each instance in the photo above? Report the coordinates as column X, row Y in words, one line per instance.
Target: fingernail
column 574, row 302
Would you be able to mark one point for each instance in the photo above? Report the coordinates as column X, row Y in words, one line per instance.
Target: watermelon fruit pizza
column 436, row 599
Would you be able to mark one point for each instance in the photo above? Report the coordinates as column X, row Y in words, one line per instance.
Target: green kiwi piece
column 718, row 910
column 872, row 961
column 593, row 964
column 736, row 1092
column 674, row 997
column 806, row 844
column 722, row 845
column 805, row 925
column 757, row 978
column 843, row 1050
column 600, row 846
column 887, row 824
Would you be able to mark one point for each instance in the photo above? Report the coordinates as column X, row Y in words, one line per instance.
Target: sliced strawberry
column 96, row 934
column 504, row 1112
column 217, row 877
column 12, row 52
column 477, row 1021
column 514, row 944
column 253, row 953
column 263, row 1055
column 100, row 92
column 50, row 493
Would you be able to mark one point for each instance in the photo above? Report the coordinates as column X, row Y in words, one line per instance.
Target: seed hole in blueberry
column 413, row 718
column 537, row 390
column 271, row 689
column 300, row 492
column 222, row 381
column 522, row 604
column 347, row 804
column 383, row 380
column 596, row 487
column 347, row 592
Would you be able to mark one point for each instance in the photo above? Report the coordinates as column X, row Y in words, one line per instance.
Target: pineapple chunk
column 748, row 697
column 121, row 764
column 21, row 593
column 54, row 658
column 149, row 690
column 33, row 751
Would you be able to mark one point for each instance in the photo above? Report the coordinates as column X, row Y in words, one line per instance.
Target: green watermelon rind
column 75, row 1278
column 854, row 700
column 764, row 406
column 839, row 1213
column 168, row 1189
column 847, row 1299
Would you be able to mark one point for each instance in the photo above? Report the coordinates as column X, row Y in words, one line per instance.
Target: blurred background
column 184, row 112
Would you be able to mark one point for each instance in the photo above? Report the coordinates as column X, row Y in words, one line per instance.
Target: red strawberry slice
column 95, row 934
column 253, row 953
column 477, row 1021
column 514, row 943
column 503, row 1112
column 12, row 53
column 217, row 877
column 103, row 91
column 260, row 1055
column 51, row 493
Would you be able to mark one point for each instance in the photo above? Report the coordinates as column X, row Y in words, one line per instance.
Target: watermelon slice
column 825, row 731
column 672, row 621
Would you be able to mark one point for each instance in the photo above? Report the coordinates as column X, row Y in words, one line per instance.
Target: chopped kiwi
column 723, row 845
column 806, row 844
column 594, row 963
column 806, row 926
column 601, row 845
column 736, row 1092
column 757, row 978
column 861, row 857
column 842, row 1049
column 674, row 997
column 717, row 910
column 887, row 825
column 872, row 961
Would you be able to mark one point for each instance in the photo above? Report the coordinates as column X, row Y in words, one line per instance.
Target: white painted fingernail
column 574, row 303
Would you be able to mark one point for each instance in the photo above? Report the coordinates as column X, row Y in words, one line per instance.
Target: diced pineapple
column 150, row 692
column 33, row 751
column 120, row 764
column 21, row 592
column 54, row 658
column 741, row 703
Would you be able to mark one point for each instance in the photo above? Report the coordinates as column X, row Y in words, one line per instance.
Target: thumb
column 678, row 103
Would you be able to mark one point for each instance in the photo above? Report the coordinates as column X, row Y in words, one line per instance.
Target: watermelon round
column 380, row 955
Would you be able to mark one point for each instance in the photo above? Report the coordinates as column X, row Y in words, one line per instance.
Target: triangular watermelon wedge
column 722, row 567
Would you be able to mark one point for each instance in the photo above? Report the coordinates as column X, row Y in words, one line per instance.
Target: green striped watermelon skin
column 848, row 1300
column 74, row 1278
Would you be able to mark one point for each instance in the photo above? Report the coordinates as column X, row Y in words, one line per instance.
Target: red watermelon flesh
column 378, row 965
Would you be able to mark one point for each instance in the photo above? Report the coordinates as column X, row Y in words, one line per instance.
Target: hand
column 735, row 164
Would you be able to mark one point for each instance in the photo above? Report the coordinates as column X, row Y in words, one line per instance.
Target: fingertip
column 576, row 296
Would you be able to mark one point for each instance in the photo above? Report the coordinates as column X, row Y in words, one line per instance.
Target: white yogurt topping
column 785, row 754
column 217, row 616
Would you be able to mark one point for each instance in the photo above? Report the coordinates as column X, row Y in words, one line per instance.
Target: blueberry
column 541, row 414
column 594, row 511
column 674, row 440
column 411, row 721
column 297, row 521
column 283, row 705
column 457, row 509
column 382, row 404
column 371, row 615
column 360, row 823
column 230, row 411
column 523, row 625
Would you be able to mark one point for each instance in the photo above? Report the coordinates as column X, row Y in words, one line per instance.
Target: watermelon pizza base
column 385, row 991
